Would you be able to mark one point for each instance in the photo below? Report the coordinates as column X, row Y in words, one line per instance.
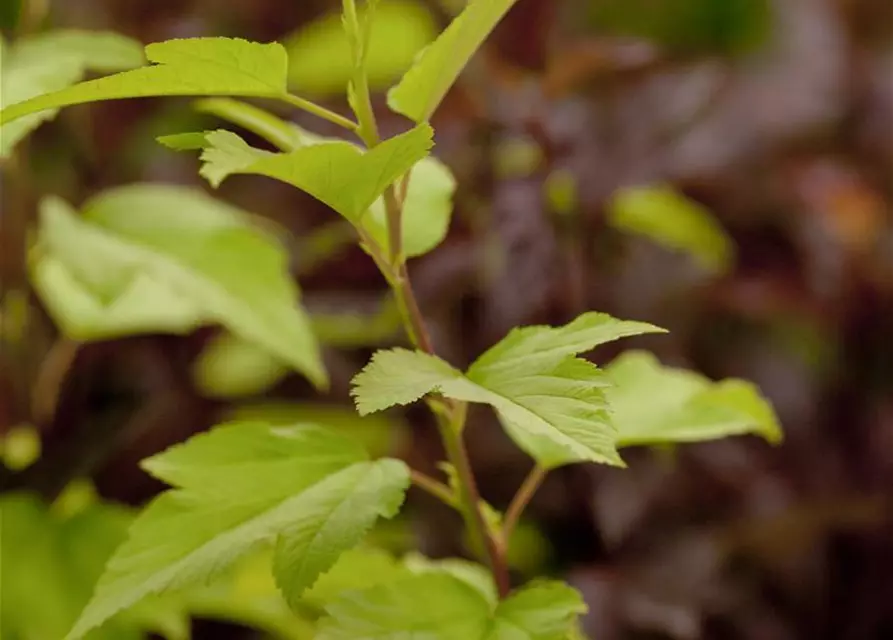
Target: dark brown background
column 787, row 135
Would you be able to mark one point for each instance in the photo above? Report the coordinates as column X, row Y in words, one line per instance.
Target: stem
column 320, row 111
column 450, row 415
column 434, row 487
column 451, row 433
column 525, row 492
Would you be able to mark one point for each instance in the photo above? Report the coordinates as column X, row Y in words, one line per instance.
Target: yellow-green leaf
column 435, row 70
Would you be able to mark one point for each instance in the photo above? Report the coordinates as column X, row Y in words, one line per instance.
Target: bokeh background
column 774, row 115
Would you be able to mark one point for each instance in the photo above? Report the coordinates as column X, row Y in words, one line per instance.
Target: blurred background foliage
column 723, row 168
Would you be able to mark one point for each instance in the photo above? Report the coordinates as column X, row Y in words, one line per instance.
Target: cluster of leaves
column 149, row 258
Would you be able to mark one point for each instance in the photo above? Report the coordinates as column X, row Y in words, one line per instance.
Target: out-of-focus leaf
column 667, row 217
column 150, row 258
column 50, row 564
column 653, row 404
column 20, row 446
column 248, row 596
column 358, row 568
column 688, row 26
column 320, row 53
column 52, row 61
column 231, row 367
column 10, row 12
column 427, row 209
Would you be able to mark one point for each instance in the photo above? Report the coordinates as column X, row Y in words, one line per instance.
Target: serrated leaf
column 337, row 173
column 337, row 514
column 550, row 402
column 186, row 67
column 667, row 217
column 237, row 488
column 52, row 61
column 434, row 606
column 435, row 70
column 682, row 406
column 438, row 605
column 322, row 55
column 151, row 258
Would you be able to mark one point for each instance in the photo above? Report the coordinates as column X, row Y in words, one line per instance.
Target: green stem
column 522, row 498
column 434, row 487
column 451, row 433
column 320, row 111
column 451, row 415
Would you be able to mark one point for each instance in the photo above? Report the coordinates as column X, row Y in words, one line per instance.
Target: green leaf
column 238, row 488
column 688, row 27
column 150, row 258
column 248, row 596
column 539, row 611
column 231, row 367
column 187, row 67
column 665, row 216
column 357, row 569
column 321, row 55
column 438, row 605
column 682, row 406
column 427, row 210
column 551, row 403
column 379, row 435
column 434, row 606
column 435, row 70
column 337, row 173
column 337, row 515
column 52, row 61
column 329, row 169
column 473, row 574
column 50, row 565
column 283, row 134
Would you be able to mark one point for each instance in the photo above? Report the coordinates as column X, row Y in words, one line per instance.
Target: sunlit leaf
column 669, row 218
column 551, row 403
column 337, row 173
column 435, row 70
column 187, row 67
column 380, row 435
column 653, row 404
column 238, row 488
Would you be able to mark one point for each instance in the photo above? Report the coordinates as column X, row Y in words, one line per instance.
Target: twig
column 522, row 498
